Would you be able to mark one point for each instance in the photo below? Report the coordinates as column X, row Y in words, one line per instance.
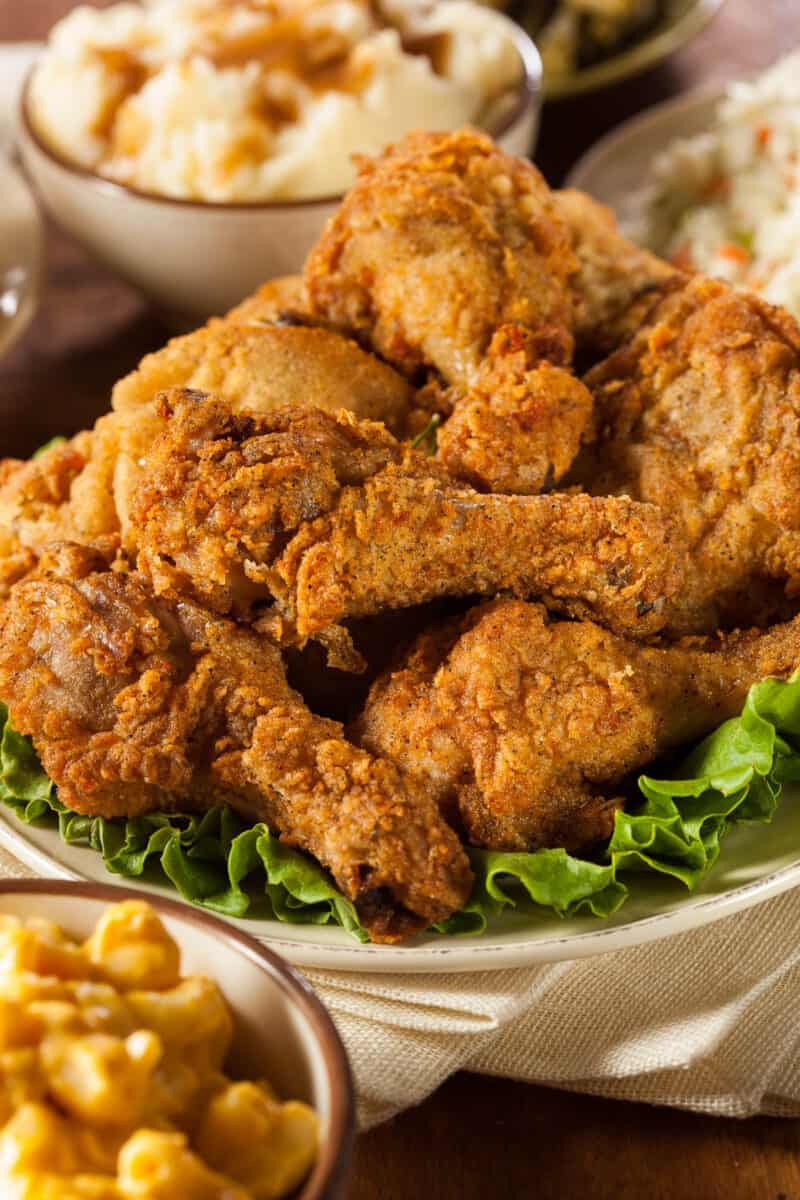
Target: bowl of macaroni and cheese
column 198, row 146
column 148, row 1052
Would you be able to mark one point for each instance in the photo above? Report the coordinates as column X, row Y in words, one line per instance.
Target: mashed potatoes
column 241, row 100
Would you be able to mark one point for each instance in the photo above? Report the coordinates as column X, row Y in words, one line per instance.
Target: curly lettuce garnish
column 218, row 861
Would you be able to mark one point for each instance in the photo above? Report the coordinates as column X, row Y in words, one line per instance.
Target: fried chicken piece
column 66, row 492
column 396, row 541
column 261, row 367
column 81, row 490
column 336, row 519
column 528, row 729
column 449, row 256
column 136, row 705
column 78, row 490
column 62, row 493
column 443, row 239
column 520, row 426
column 700, row 415
column 222, row 492
column 617, row 282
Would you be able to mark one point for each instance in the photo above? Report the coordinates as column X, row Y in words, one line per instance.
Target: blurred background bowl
column 21, row 255
column 282, row 1034
column 680, row 21
column 193, row 259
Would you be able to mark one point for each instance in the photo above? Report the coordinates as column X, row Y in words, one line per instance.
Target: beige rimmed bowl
column 282, row 1033
column 680, row 22
column 193, row 259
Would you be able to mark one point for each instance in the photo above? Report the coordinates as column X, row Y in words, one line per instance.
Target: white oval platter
column 756, row 863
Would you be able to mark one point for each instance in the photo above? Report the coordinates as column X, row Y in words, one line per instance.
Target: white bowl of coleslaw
column 712, row 181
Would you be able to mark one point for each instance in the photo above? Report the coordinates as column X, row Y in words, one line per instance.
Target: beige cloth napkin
column 707, row 1020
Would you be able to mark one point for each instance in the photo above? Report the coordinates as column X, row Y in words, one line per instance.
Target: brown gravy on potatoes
column 323, row 62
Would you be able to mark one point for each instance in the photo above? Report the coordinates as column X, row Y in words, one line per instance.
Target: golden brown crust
column 700, row 414
column 135, row 704
column 443, row 239
column 530, row 729
column 63, row 493
column 520, row 426
column 221, row 492
column 367, row 525
column 399, row 540
column 264, row 367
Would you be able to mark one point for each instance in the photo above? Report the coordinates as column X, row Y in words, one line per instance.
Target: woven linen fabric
column 705, row 1020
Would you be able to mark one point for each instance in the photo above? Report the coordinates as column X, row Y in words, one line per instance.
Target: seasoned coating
column 134, row 705
column 82, row 489
column 399, row 540
column 263, row 367
column 442, row 240
column 75, row 490
column 528, row 729
column 79, row 490
column 336, row 519
column 617, row 282
column 221, row 492
column 700, row 414
column 63, row 493
column 520, row 426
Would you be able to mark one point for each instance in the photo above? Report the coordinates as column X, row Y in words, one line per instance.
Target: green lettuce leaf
column 218, row 861
column 56, row 441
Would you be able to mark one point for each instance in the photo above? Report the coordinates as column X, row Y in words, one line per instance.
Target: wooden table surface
column 476, row 1139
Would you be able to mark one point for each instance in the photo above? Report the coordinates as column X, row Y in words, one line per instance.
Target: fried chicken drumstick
column 505, row 277
column 526, row 729
column 335, row 519
column 700, row 415
column 136, row 705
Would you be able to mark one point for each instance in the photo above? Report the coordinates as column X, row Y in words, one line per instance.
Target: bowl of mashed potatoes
column 198, row 146
column 150, row 1052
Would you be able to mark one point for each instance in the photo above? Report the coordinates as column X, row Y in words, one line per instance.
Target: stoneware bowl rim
column 529, row 91
column 330, row 1170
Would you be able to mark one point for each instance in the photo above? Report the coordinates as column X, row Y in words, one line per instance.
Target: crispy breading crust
column 264, row 367
column 221, row 492
column 135, row 704
column 700, row 414
column 528, row 729
column 400, row 540
column 443, row 239
column 520, row 426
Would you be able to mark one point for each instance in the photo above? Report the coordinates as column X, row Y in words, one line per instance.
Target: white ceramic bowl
column 195, row 259
column 283, row 1033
